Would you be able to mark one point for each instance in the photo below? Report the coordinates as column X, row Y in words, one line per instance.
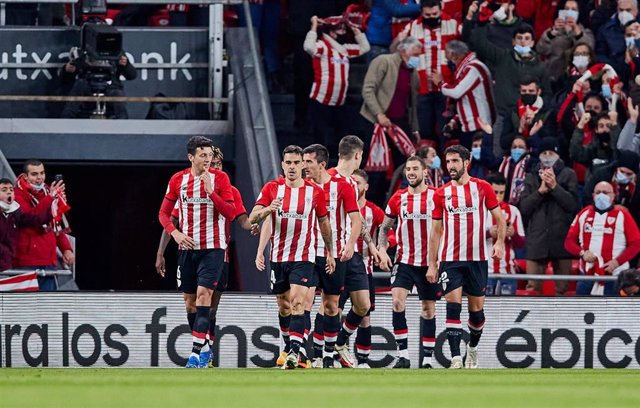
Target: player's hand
column 347, row 253
column 385, row 261
column 510, row 231
column 260, row 262
column 68, row 257
column 589, row 256
column 206, row 179
column 160, row 265
column 255, row 229
column 70, row 68
column 432, row 274
column 497, row 252
column 183, row 241
column 331, row 264
column 611, row 266
column 374, row 253
column 275, row 204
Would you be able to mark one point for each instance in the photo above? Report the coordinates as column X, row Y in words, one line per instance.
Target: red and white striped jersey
column 473, row 93
column 605, row 234
column 331, row 70
column 333, row 172
column 340, row 201
column 433, row 42
column 197, row 216
column 373, row 216
column 414, row 213
column 463, row 211
column 293, row 237
column 513, row 218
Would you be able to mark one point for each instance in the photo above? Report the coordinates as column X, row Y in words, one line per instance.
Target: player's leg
column 332, row 286
column 297, row 295
column 476, row 281
column 452, row 279
column 305, row 362
column 400, row 329
column 206, row 355
column 190, row 307
column 363, row 337
column 280, row 287
column 187, row 284
column 318, row 323
column 428, row 294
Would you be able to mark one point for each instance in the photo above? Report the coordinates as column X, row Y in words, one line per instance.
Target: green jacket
column 509, row 68
column 594, row 150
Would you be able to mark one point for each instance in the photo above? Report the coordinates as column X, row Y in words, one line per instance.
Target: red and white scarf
column 522, row 109
column 517, row 172
column 596, row 268
column 59, row 207
column 380, row 159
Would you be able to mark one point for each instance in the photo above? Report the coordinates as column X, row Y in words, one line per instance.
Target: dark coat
column 548, row 216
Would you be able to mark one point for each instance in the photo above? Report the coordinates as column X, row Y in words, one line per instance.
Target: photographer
column 629, row 282
column 92, row 73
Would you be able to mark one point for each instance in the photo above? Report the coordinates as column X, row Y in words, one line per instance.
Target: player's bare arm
column 368, row 241
column 243, row 220
column 183, row 241
column 265, row 234
column 325, row 230
column 356, row 229
column 434, row 247
column 497, row 251
column 383, row 243
column 260, row 212
column 162, row 246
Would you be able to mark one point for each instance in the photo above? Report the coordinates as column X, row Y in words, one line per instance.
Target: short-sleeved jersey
column 414, row 213
column 197, row 216
column 512, row 217
column 373, row 217
column 333, row 172
column 340, row 201
column 463, row 211
column 293, row 233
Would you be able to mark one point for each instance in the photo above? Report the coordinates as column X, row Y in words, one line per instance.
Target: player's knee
column 428, row 311
column 330, row 307
column 362, row 308
column 398, row 305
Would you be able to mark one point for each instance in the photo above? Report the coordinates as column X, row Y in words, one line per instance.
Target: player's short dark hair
column 321, row 152
column 361, row 173
column 30, row 162
column 5, row 181
column 292, row 149
column 460, row 150
column 430, row 3
column 497, row 179
column 350, row 145
column 418, row 159
column 528, row 80
column 217, row 152
column 197, row 142
column 524, row 28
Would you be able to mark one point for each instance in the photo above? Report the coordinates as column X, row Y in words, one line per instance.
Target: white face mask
column 500, row 14
column 581, row 61
column 37, row 187
column 9, row 208
column 624, row 17
column 573, row 14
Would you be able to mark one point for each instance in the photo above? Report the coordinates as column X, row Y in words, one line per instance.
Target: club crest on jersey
column 611, row 220
column 291, row 215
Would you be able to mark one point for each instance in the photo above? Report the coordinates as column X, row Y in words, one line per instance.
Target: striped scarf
column 514, row 173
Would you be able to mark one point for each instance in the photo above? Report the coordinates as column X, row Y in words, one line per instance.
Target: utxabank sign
column 34, row 55
column 150, row 330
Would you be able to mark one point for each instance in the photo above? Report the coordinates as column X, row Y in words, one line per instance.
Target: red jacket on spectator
column 12, row 223
column 37, row 245
column 541, row 12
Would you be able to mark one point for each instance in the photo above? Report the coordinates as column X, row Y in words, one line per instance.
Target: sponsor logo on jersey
column 196, row 200
column 461, row 210
column 414, row 216
column 292, row 215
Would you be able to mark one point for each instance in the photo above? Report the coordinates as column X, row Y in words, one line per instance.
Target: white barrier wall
column 150, row 330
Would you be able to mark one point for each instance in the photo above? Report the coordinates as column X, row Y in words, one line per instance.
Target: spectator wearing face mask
column 605, row 237
column 499, row 18
column 433, row 175
column 483, row 162
column 549, row 202
column 562, row 37
column 632, row 43
column 514, row 167
column 610, row 42
column 623, row 176
column 630, row 139
column 601, row 149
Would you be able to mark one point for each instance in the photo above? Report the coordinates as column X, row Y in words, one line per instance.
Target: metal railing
column 523, row 276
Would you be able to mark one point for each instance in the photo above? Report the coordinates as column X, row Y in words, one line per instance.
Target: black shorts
column 471, row 276
column 356, row 277
column 406, row 276
column 285, row 274
column 224, row 278
column 330, row 284
column 372, row 296
column 200, row 267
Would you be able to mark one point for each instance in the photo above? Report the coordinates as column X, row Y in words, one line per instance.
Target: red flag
column 27, row 282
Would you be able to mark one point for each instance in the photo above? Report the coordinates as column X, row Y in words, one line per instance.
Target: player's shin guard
column 331, row 328
column 454, row 327
column 212, row 331
column 363, row 344
column 296, row 331
column 200, row 328
column 307, row 329
column 428, row 328
column 191, row 318
column 285, row 322
column 318, row 336
column 401, row 333
column 350, row 325
column 476, row 324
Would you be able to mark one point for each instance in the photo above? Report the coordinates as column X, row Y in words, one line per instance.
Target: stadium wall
column 149, row 330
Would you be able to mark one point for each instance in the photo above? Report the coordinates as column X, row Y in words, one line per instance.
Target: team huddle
column 326, row 236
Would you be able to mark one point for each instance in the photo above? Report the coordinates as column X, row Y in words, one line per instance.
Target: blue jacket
column 379, row 28
column 610, row 47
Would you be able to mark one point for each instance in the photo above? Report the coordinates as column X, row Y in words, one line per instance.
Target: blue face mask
column 622, row 178
column 521, row 49
column 475, row 152
column 413, row 62
column 436, row 163
column 606, row 90
column 602, row 201
column 517, row 153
